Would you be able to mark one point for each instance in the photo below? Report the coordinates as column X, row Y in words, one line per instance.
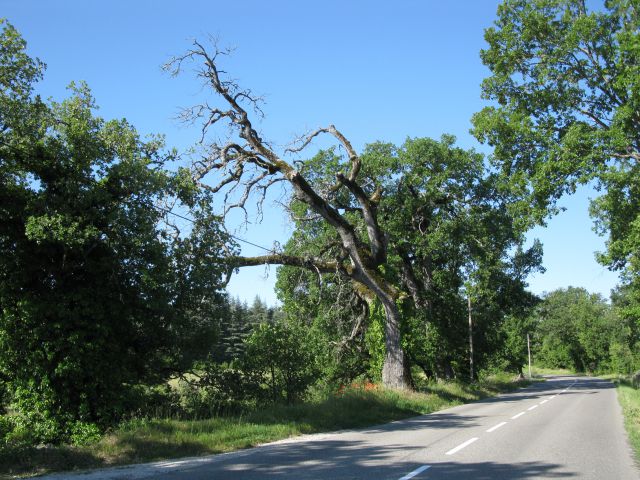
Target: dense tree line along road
column 566, row 427
column 406, row 264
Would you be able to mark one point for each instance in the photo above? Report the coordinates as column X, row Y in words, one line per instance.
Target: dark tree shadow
column 336, row 460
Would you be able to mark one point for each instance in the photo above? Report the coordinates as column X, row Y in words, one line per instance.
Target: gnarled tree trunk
column 395, row 371
column 253, row 165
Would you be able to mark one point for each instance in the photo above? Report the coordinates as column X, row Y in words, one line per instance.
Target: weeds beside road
column 629, row 398
column 146, row 440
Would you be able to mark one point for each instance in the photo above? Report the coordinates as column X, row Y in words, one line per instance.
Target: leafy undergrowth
column 147, row 440
column 629, row 399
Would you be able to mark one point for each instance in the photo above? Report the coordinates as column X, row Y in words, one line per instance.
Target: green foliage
column 220, row 389
column 579, row 331
column 97, row 294
column 142, row 440
column 334, row 316
column 83, row 433
column 564, row 80
column 512, row 354
column 374, row 341
column 625, row 341
column 283, row 354
column 629, row 398
column 566, row 92
column 446, row 225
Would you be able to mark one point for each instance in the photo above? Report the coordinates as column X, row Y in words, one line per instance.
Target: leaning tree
column 247, row 164
column 382, row 219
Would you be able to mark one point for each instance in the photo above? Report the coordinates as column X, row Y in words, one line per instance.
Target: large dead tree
column 245, row 164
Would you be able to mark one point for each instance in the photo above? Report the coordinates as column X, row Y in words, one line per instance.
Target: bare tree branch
column 251, row 165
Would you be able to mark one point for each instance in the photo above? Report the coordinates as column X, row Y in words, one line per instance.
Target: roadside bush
column 623, row 360
column 158, row 401
column 84, row 433
column 229, row 387
column 7, row 426
column 285, row 358
column 38, row 419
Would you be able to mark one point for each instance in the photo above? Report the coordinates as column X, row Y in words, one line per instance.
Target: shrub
column 83, row 433
column 283, row 355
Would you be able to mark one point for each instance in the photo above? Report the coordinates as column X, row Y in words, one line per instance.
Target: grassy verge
column 148, row 440
column 537, row 371
column 629, row 399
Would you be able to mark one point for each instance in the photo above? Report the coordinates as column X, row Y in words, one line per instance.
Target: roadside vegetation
column 403, row 286
column 629, row 398
column 148, row 439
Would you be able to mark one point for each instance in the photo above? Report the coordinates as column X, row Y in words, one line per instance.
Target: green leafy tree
column 98, row 291
column 334, row 315
column 566, row 92
column 285, row 356
column 443, row 221
column 625, row 338
column 500, row 310
column 513, row 350
column 574, row 330
column 448, row 227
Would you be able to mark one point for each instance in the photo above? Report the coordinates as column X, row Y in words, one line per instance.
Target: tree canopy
column 566, row 94
column 445, row 228
column 98, row 291
column 407, row 258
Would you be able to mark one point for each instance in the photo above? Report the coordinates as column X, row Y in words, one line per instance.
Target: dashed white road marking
column 417, row 471
column 495, row 427
column 461, row 446
column 492, row 429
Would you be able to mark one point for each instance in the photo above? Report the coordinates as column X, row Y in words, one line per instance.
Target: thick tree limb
column 251, row 164
column 322, row 265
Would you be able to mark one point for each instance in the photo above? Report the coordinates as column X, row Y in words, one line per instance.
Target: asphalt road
column 566, row 427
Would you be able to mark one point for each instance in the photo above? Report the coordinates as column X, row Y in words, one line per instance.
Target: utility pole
column 471, row 373
column 529, row 352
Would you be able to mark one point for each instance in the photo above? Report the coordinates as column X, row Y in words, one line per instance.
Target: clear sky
column 378, row 70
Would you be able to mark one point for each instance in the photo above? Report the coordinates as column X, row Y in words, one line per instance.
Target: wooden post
column 529, row 352
column 471, row 373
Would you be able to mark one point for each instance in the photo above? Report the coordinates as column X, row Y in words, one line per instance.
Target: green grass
column 629, row 399
column 537, row 371
column 148, row 440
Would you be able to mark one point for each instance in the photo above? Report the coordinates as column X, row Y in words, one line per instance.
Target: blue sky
column 378, row 70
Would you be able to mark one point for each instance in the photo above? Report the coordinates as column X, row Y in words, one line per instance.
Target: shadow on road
column 355, row 460
column 496, row 471
column 430, row 421
column 555, row 386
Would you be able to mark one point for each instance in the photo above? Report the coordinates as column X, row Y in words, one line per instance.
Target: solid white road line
column 417, row 471
column 544, row 401
column 518, row 415
column 495, row 427
column 461, row 446
column 533, row 407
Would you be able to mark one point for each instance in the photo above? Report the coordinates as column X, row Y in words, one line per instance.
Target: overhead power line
column 166, row 210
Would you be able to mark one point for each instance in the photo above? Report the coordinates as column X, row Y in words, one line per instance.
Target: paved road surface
column 566, row 427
